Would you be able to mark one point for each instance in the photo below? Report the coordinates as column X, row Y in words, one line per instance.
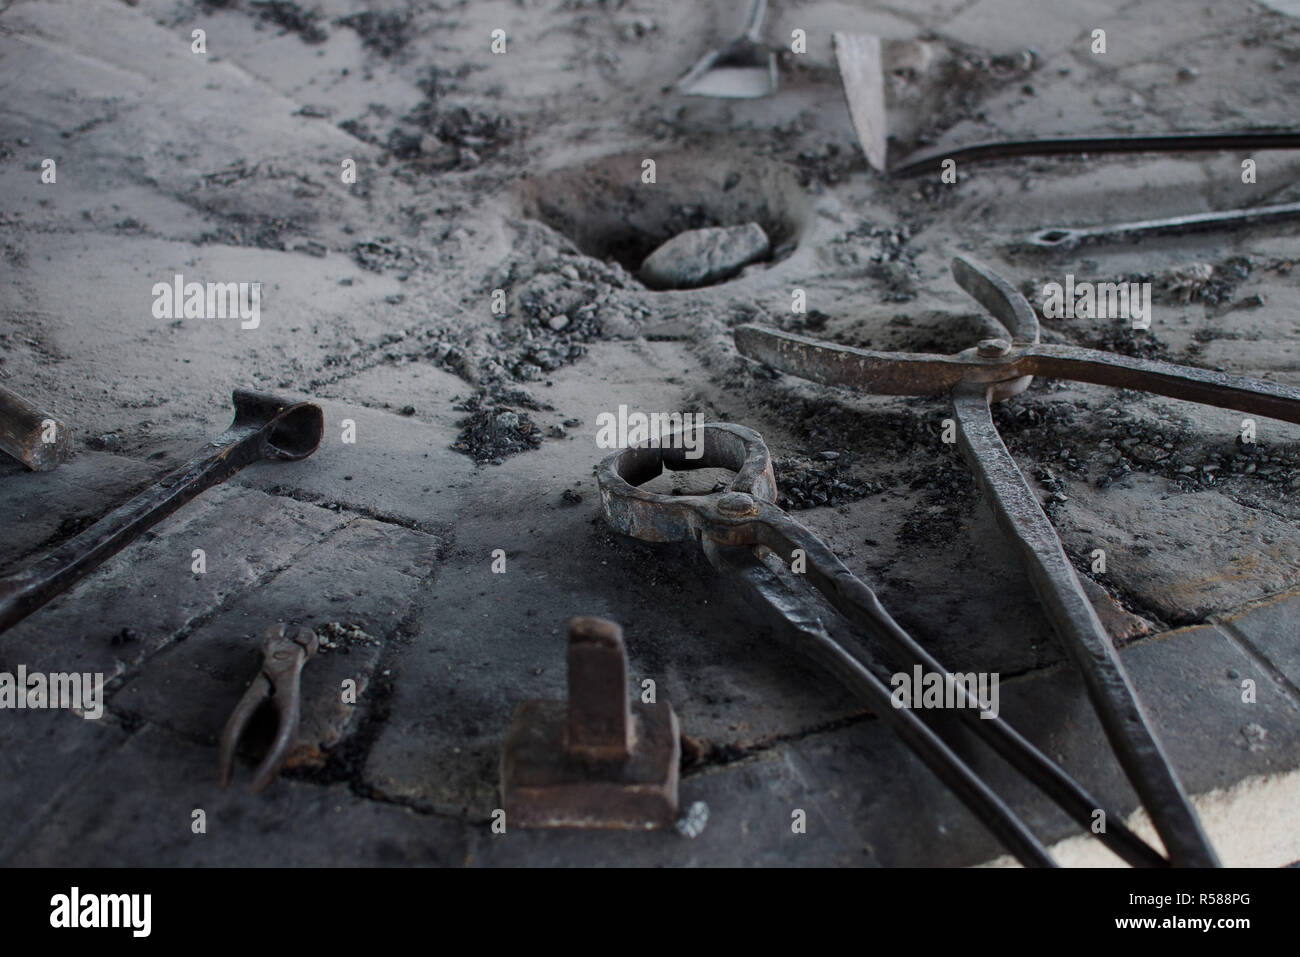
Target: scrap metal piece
column 862, row 70
column 35, row 438
column 265, row 427
column 740, row 525
column 1272, row 139
column 1069, row 237
column 990, row 372
column 592, row 762
column 280, row 683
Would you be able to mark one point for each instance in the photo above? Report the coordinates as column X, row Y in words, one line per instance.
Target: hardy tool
column 759, row 546
column 265, row 427
column 996, row 369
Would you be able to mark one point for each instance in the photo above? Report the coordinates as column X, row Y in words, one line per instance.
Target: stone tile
column 1190, row 681
column 43, row 755
column 399, row 469
column 246, row 537
column 366, row 574
column 1185, row 555
column 50, row 505
column 136, row 807
column 1271, row 630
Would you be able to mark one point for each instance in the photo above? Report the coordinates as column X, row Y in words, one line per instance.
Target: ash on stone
column 493, row 432
column 805, row 484
column 334, row 635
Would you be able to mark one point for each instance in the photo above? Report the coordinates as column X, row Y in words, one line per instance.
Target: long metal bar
column 1273, row 139
column 1022, row 520
column 265, row 427
column 1069, row 237
column 903, row 373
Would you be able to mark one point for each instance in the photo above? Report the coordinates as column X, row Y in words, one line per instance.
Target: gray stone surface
column 378, row 303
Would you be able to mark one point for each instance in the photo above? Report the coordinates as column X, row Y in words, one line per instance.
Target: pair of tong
column 1000, row 367
column 279, row 684
column 742, row 531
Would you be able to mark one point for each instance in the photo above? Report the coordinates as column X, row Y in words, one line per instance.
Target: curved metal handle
column 265, row 427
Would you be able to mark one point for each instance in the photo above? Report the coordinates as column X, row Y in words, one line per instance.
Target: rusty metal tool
column 265, row 427
column 279, row 683
column 756, row 544
column 1271, row 139
column 743, row 69
column 1068, row 237
column 35, row 438
column 996, row 369
column 592, row 762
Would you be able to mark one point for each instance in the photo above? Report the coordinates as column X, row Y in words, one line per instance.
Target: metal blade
column 859, row 58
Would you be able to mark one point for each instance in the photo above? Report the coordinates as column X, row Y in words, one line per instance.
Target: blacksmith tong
column 1000, row 367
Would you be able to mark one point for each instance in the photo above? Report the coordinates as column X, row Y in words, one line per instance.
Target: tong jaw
column 652, row 517
column 279, row 682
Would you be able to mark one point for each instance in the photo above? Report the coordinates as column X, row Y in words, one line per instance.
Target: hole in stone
column 610, row 214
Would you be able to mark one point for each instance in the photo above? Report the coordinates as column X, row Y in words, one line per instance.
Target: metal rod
column 1068, row 237
column 1277, row 139
column 264, row 427
column 744, row 568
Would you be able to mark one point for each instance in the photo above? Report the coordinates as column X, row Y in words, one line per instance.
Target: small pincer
column 280, row 683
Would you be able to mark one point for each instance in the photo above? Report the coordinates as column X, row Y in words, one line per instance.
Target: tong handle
column 1206, row 386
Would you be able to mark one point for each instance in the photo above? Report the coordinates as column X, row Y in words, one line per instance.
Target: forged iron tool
column 931, row 162
column 280, row 683
column 1068, row 237
column 595, row 760
column 996, row 369
column 265, row 427
column 743, row 533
